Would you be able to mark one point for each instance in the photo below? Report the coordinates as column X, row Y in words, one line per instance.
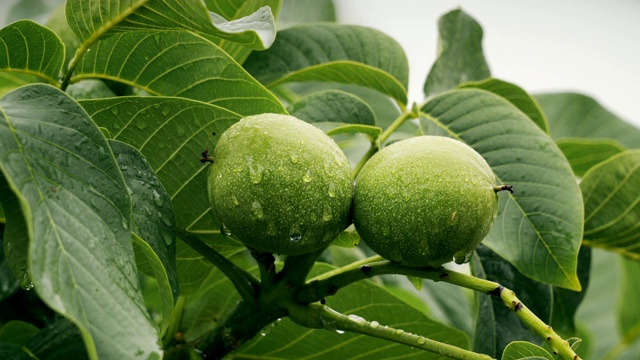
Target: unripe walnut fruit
column 280, row 185
column 424, row 201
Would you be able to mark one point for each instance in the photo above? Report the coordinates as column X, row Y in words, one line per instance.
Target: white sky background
column 587, row 46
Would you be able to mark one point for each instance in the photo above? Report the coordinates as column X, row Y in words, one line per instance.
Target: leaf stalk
column 377, row 144
column 244, row 282
column 322, row 317
column 319, row 289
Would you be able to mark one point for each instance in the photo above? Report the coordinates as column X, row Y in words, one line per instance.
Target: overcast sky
column 588, row 46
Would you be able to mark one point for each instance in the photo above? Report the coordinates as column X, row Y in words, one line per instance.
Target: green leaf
column 287, row 340
column 235, row 9
column 520, row 350
column 255, row 31
column 384, row 108
column 187, row 66
column 566, row 302
column 57, row 22
column 611, row 192
column 485, row 325
column 207, row 306
column 60, row 340
column 596, row 315
column 628, row 314
column 416, row 282
column 17, row 332
column 92, row 22
column 28, row 47
column 241, row 9
column 154, row 225
column 583, row 154
column 12, row 80
column 149, row 263
column 152, row 211
column 347, row 239
column 450, row 305
column 515, row 95
column 10, row 351
column 333, row 106
column 539, row 226
column 194, row 269
column 373, row 132
column 63, row 172
column 348, row 72
column 495, row 326
column 337, row 53
column 89, row 89
column 297, row 12
column 15, row 236
column 460, row 56
column 578, row 116
column 9, row 283
column 170, row 133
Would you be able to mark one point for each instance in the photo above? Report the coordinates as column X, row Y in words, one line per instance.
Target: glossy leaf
column 346, row 239
column 337, row 53
column 521, row 350
column 90, row 22
column 485, row 325
column 62, row 170
column 596, row 315
column 12, row 80
column 515, row 95
column 450, row 305
column 256, row 30
column 240, row 9
column 194, row 269
column 497, row 327
column 383, row 107
column 297, row 12
column 89, row 89
column 28, row 47
column 333, row 106
column 575, row 115
column 539, row 226
column 149, row 263
column 9, row 283
column 10, row 351
column 207, row 306
column 370, row 301
column 171, row 133
column 583, row 153
column 628, row 314
column 611, row 192
column 373, row 132
column 152, row 212
column 17, row 332
column 57, row 22
column 60, row 340
column 186, row 65
column 15, row 235
column 566, row 302
column 460, row 56
column 154, row 224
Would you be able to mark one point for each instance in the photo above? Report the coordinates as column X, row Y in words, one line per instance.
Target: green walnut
column 425, row 201
column 280, row 185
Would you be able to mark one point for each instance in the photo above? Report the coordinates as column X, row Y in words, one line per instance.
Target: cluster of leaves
column 106, row 109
